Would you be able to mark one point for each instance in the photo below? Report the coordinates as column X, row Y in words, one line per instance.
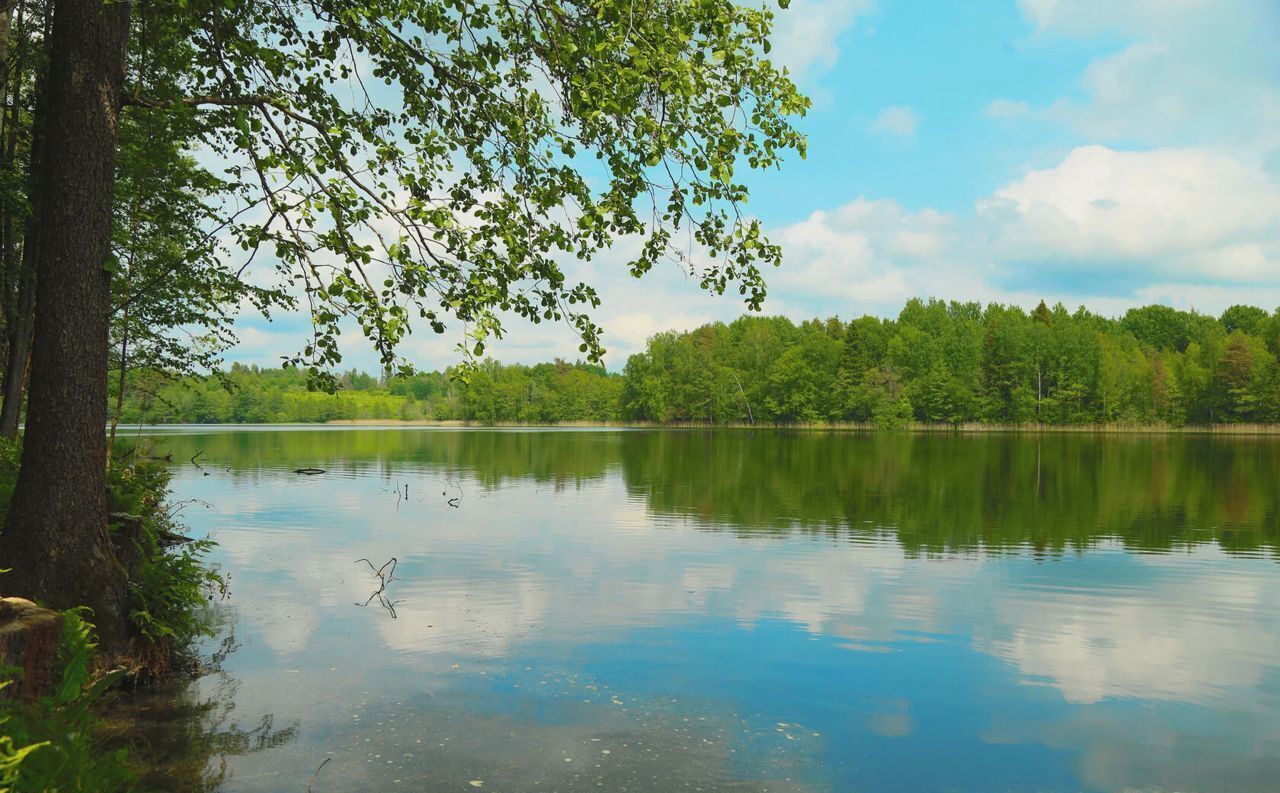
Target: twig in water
column 384, row 577
column 378, row 570
column 323, row 763
column 175, row 508
column 389, row 605
column 456, row 500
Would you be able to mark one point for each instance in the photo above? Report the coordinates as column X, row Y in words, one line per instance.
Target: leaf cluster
column 431, row 161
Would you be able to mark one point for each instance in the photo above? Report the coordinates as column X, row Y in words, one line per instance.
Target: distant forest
column 937, row 362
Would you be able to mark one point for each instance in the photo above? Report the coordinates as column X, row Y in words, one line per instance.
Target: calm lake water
column 657, row 611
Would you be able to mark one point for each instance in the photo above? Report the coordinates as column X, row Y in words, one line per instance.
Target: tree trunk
column 18, row 355
column 6, row 22
column 10, row 84
column 22, row 283
column 124, row 368
column 56, row 535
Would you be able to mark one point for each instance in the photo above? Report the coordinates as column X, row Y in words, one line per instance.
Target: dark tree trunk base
column 28, row 641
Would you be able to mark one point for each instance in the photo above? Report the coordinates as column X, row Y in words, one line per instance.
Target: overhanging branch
column 197, row 101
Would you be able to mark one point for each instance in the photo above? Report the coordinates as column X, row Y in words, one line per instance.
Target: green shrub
column 11, row 757
column 59, row 751
column 169, row 594
column 169, row 587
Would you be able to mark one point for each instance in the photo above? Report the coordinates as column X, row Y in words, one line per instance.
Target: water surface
column 657, row 611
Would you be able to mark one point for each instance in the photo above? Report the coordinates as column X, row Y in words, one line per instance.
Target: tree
column 1244, row 371
column 802, row 380
column 503, row 138
column 174, row 292
column 22, row 81
column 1243, row 318
column 1007, row 368
column 1159, row 326
column 866, row 344
column 55, row 539
column 444, row 191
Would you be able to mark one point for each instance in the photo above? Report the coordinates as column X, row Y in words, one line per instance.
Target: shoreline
column 967, row 428
column 914, row 427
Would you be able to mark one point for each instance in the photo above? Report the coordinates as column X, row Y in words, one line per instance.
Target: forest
column 956, row 363
column 937, row 363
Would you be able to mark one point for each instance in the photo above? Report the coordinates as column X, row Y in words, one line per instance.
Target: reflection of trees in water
column 178, row 735
column 556, row 457
column 944, row 492
column 936, row 491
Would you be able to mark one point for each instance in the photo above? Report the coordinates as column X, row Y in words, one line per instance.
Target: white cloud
column 631, row 310
column 1191, row 73
column 1188, row 211
column 1209, row 298
column 806, row 37
column 897, row 122
column 1169, row 217
column 855, row 257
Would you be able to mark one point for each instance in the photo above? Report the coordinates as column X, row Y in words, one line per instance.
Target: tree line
column 937, row 362
column 962, row 362
column 491, row 393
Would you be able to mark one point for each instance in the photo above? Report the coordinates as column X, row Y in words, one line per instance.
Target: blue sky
column 1104, row 153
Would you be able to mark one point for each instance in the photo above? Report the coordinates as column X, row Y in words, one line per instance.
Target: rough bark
column 18, row 354
column 21, row 279
column 28, row 641
column 6, row 22
column 10, row 83
column 56, row 538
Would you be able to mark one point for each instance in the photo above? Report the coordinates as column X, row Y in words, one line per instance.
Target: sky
column 1105, row 153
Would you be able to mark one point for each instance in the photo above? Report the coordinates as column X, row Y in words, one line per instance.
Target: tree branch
column 198, row 100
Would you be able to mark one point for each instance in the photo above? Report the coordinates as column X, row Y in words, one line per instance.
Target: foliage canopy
column 419, row 161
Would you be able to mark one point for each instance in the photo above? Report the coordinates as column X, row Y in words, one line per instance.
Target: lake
column 655, row 611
